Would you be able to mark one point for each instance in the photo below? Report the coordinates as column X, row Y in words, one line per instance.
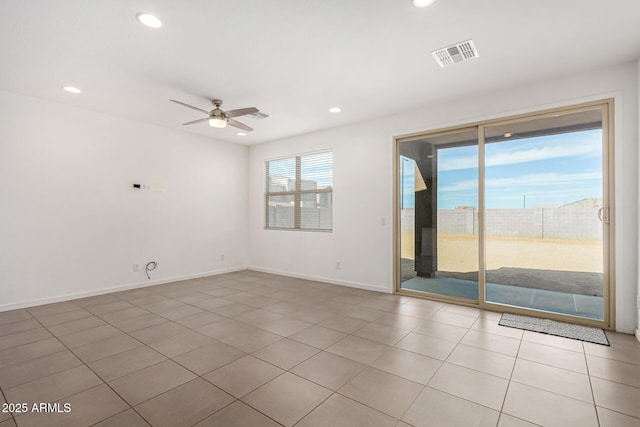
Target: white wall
column 70, row 224
column 362, row 198
column 363, row 195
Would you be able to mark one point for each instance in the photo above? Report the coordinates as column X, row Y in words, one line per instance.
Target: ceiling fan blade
column 190, row 106
column 239, row 125
column 241, row 112
column 196, row 121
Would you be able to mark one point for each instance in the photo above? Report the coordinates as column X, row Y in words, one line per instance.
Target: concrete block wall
column 538, row 223
column 513, row 223
column 281, row 216
column 458, row 221
column 571, row 223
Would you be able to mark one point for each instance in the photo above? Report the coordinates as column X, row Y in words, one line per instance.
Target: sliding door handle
column 603, row 214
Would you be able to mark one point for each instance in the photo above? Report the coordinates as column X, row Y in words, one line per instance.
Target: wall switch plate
column 222, row 257
column 337, row 265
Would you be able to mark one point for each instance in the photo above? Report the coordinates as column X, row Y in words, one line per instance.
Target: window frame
column 297, row 193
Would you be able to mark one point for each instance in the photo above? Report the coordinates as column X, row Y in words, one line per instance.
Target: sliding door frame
column 608, row 196
column 396, row 215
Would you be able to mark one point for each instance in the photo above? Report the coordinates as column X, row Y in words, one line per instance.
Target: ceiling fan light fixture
column 218, row 118
column 423, row 3
column 218, row 122
column 149, row 20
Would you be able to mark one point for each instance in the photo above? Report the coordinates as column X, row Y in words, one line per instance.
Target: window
column 299, row 192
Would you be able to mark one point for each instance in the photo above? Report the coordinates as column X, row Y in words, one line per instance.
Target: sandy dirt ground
column 460, row 253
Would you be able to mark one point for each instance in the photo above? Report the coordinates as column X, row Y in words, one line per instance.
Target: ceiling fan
column 219, row 118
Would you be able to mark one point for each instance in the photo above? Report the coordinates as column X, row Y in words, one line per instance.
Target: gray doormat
column 552, row 327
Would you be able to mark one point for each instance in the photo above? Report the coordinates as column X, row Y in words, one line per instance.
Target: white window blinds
column 299, row 192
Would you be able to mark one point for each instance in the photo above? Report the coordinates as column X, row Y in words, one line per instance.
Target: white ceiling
column 294, row 59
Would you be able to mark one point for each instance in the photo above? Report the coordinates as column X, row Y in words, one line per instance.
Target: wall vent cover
column 455, row 53
column 259, row 115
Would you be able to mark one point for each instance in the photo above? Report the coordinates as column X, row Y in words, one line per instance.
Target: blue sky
column 548, row 170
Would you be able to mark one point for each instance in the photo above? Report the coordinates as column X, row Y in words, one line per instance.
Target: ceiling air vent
column 456, row 53
column 259, row 115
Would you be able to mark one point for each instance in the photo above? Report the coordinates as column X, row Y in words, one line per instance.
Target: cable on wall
column 151, row 265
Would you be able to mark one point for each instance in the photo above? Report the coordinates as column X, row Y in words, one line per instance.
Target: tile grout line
column 568, row 370
column 351, row 399
column 366, row 366
column 515, row 360
column 202, row 376
column 10, row 413
column 416, row 398
column 593, row 395
column 98, row 376
column 312, row 409
column 194, row 373
column 114, row 415
column 435, row 373
column 333, row 392
column 171, row 359
column 154, row 364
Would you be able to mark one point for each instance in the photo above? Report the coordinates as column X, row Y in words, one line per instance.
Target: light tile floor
column 254, row 349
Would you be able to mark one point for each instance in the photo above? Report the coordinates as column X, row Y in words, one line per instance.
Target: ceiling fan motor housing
column 219, row 118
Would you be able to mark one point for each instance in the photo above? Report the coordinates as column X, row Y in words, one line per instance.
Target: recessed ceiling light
column 334, row 110
column 72, row 89
column 242, row 134
column 149, row 20
column 423, row 3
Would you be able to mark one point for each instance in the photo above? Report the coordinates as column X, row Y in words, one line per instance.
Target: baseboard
column 356, row 285
column 77, row 295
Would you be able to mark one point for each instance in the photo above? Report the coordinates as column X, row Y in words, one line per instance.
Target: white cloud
column 570, row 145
column 470, row 184
column 546, row 180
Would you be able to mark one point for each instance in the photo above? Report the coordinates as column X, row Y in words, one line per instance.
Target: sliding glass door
column 546, row 212
column 511, row 215
column 439, row 214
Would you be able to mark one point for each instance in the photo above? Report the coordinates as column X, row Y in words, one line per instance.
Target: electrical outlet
column 136, row 268
column 337, row 265
column 222, row 257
